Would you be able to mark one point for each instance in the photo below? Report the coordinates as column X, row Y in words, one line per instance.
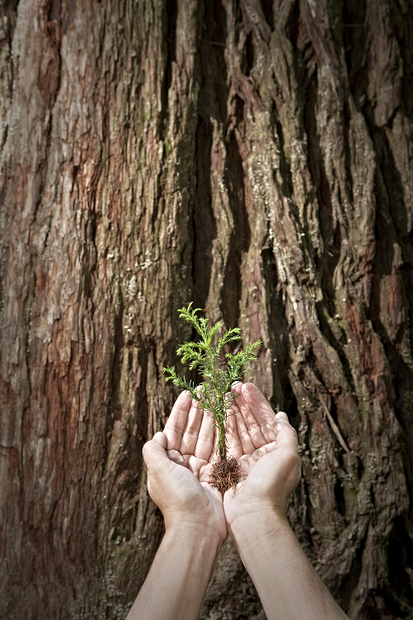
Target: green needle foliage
column 214, row 394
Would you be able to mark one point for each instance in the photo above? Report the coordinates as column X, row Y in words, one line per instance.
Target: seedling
column 214, row 394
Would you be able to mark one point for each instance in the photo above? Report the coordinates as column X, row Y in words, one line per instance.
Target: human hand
column 179, row 466
column 265, row 445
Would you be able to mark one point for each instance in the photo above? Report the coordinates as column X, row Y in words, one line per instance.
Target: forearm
column 286, row 582
column 176, row 584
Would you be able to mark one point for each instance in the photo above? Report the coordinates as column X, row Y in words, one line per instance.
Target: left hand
column 179, row 467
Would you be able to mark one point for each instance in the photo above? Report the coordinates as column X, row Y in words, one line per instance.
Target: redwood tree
column 254, row 156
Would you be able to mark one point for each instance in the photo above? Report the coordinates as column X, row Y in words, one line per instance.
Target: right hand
column 266, row 447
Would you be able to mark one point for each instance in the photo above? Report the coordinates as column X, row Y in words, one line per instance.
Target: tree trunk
column 255, row 157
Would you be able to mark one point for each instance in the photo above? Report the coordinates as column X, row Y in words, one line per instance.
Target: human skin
column 179, row 467
column 197, row 518
column 266, row 447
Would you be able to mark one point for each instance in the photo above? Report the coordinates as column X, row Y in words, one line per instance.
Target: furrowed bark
column 254, row 157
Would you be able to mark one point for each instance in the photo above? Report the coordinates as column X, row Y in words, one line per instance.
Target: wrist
column 247, row 528
column 195, row 533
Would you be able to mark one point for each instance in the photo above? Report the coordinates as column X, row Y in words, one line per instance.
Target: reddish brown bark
column 254, row 157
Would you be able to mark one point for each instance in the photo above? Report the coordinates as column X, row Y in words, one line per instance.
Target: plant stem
column 218, row 374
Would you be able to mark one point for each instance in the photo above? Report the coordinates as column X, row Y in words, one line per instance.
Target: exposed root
column 225, row 473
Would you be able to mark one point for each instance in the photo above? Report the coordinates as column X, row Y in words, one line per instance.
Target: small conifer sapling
column 214, row 394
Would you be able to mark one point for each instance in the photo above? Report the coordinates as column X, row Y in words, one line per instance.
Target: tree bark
column 252, row 156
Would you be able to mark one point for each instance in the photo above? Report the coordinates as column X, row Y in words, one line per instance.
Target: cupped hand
column 179, row 467
column 265, row 445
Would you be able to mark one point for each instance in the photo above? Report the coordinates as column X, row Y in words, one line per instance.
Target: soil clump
column 225, row 473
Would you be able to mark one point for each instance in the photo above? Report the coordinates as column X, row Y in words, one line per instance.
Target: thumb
column 159, row 467
column 154, row 451
column 286, row 434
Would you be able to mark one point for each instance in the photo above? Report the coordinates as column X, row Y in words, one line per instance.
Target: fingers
column 206, row 437
column 233, row 441
column 190, row 436
column 255, row 424
column 244, row 434
column 188, row 429
column 241, row 432
column 286, row 434
column 177, row 421
column 239, row 441
column 154, row 450
column 257, row 413
column 258, row 406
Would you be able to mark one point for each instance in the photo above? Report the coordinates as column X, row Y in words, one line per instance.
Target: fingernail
column 235, row 383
